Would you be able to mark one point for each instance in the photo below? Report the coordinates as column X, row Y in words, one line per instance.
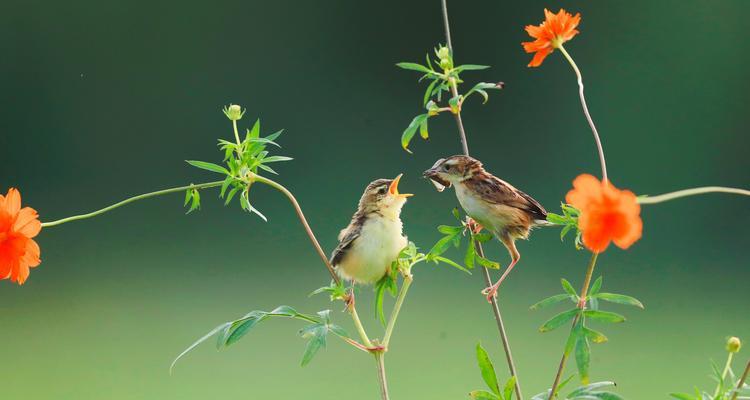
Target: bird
column 506, row 212
column 374, row 237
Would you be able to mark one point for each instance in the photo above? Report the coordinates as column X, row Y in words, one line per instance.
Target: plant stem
column 581, row 305
column 691, row 192
column 396, row 308
column 130, row 200
column 360, row 328
column 741, row 383
column 380, row 360
column 724, row 374
column 586, row 111
column 478, row 246
column 303, row 220
column 237, row 137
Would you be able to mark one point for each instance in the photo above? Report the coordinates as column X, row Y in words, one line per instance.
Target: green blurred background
column 103, row 100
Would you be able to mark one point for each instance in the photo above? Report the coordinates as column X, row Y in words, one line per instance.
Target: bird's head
column 452, row 170
column 382, row 196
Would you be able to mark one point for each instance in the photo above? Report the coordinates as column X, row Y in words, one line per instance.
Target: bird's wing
column 346, row 238
column 496, row 190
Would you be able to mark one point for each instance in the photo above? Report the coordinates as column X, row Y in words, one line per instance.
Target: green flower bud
column 443, row 53
column 234, row 112
column 733, row 344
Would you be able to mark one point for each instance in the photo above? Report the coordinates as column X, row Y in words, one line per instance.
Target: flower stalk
column 480, row 251
column 581, row 306
column 741, row 383
column 598, row 140
column 691, row 192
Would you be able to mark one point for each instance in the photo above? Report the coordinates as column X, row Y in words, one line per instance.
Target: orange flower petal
column 554, row 31
column 27, row 222
column 18, row 251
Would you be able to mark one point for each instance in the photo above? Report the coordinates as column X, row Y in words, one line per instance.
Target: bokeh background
column 103, row 100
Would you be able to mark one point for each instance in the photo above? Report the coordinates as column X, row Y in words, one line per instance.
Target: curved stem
column 691, row 192
column 396, row 308
column 586, row 111
column 480, row 251
column 724, row 374
column 741, row 383
column 581, row 305
column 303, row 220
column 380, row 360
column 130, row 200
column 360, row 328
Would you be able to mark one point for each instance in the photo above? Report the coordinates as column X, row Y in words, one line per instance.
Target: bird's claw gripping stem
column 491, row 292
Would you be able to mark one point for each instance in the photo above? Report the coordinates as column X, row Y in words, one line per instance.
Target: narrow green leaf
column 197, row 342
column 568, row 287
column 558, row 320
column 487, row 263
column 482, row 395
column 487, row 370
column 317, row 342
column 552, row 300
column 411, row 130
column 510, row 387
column 449, row 230
column 470, row 255
column 683, row 396
column 228, row 181
column 276, row 159
column 423, row 129
column 231, row 194
column 470, row 67
column 596, row 286
column 208, row 166
column 267, row 168
column 583, row 358
column 442, row 245
column 188, row 196
column 428, row 92
column 414, row 67
column 451, row 263
column 604, row 316
column 254, row 133
column 619, row 298
column 594, row 336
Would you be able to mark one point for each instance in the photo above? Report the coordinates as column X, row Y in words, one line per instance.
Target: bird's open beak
column 393, row 189
column 439, row 183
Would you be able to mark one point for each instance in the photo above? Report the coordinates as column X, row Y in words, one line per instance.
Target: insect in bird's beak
column 432, row 174
column 393, row 189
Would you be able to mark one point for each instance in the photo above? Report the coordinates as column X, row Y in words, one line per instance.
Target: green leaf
column 583, row 358
column 558, row 320
column 568, row 287
column 423, row 129
column 267, row 168
column 414, row 67
column 619, row 299
column 594, row 336
column 208, row 166
column 428, row 92
column 411, row 130
column 510, row 387
column 453, row 103
column 451, row 263
column 596, row 286
column 564, row 231
column 317, row 340
column 470, row 67
column 470, row 255
column 197, row 342
column 683, row 396
column 188, row 196
column 487, row 263
column 482, row 395
column 604, row 316
column 228, row 181
column 254, row 133
column 276, row 159
column 449, row 230
column 552, row 300
column 231, row 194
column 442, row 245
column 487, row 369
column 556, row 219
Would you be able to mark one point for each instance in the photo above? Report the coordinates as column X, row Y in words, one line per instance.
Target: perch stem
column 691, row 192
column 741, row 383
column 396, row 308
column 480, row 251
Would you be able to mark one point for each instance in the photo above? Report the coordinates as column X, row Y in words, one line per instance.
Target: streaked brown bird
column 508, row 213
column 374, row 238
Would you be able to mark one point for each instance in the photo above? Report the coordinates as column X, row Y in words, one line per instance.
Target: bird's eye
column 446, row 167
column 382, row 190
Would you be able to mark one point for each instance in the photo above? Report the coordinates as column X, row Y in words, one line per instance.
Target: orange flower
column 551, row 34
column 18, row 251
column 607, row 213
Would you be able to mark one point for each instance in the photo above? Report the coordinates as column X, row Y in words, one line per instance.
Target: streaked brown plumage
column 508, row 213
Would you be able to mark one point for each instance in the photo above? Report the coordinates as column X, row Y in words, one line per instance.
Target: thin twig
column 130, row 200
column 380, row 360
column 581, row 305
column 480, row 251
column 691, row 192
column 586, row 112
column 741, row 383
column 396, row 308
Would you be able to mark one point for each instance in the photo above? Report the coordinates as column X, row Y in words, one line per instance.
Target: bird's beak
column 393, row 189
column 439, row 183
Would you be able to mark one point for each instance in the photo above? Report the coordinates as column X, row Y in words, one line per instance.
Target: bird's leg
column 491, row 291
column 474, row 226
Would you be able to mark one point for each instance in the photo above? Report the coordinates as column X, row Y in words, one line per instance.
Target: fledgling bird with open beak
column 508, row 213
column 374, row 237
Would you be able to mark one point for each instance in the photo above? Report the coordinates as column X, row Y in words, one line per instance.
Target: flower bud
column 733, row 344
column 444, row 58
column 443, row 52
column 234, row 112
